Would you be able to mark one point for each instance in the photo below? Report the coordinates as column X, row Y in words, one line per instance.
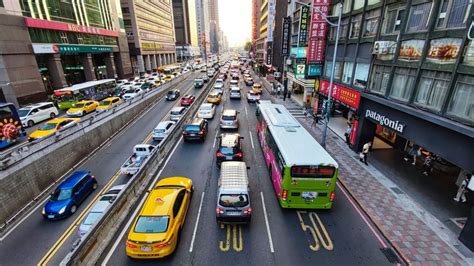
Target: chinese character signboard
column 317, row 33
column 298, row 52
column 269, row 57
column 314, row 70
column 56, row 25
column 285, row 45
column 304, row 22
column 346, row 96
column 270, row 18
column 48, row 48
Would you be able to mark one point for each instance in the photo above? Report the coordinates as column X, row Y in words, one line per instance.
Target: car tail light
column 93, row 177
column 219, row 154
column 248, row 211
column 238, row 155
column 201, row 132
column 219, row 211
column 284, row 194
column 333, row 195
column 130, row 245
column 162, row 245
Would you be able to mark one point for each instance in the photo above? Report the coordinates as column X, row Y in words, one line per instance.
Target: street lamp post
column 331, row 79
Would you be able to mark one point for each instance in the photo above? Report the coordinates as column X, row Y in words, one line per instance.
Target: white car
column 35, row 113
column 138, row 85
column 207, row 111
column 121, row 82
column 234, row 83
column 127, row 85
column 132, row 93
column 220, row 81
column 235, row 93
column 176, row 113
column 252, row 96
column 219, row 86
column 163, row 129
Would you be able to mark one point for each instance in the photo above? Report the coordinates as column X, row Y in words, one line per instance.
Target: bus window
column 313, row 171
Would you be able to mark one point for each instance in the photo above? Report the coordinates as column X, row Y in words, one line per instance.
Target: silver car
column 176, row 113
column 235, row 93
column 229, row 119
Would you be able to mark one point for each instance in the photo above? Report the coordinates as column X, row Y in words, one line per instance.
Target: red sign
column 354, row 128
column 317, row 33
column 342, row 94
column 55, row 25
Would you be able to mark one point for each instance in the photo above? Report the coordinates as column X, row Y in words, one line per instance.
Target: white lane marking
column 267, row 224
column 132, row 217
column 362, row 216
column 215, row 139
column 197, row 223
column 251, row 140
column 246, row 114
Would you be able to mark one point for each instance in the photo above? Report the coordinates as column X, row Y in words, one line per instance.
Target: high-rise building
column 58, row 43
column 203, row 27
column 186, row 24
column 151, row 34
column 213, row 7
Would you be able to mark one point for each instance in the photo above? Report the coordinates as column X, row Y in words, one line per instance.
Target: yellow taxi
column 257, row 88
column 169, row 78
column 82, row 108
column 52, row 126
column 214, row 97
column 155, row 231
column 109, row 103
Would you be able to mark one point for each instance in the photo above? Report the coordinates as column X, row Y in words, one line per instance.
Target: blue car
column 69, row 195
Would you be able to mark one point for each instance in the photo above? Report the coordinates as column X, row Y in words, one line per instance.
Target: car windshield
column 151, row 224
column 23, row 112
column 228, row 117
column 175, row 112
column 79, row 105
column 61, row 194
column 91, row 218
column 104, row 102
column 130, row 91
column 191, row 128
column 227, row 150
column 171, row 93
column 159, row 130
column 48, row 126
column 205, row 108
column 213, row 96
column 234, row 200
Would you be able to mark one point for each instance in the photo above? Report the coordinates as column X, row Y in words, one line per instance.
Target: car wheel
column 73, row 209
column 52, row 115
column 31, row 123
column 83, row 113
column 94, row 187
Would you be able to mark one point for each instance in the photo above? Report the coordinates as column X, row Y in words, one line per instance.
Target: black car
column 172, row 95
column 205, row 78
column 230, row 148
column 196, row 130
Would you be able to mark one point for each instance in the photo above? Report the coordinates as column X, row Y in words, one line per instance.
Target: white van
column 233, row 194
column 176, row 113
column 35, row 113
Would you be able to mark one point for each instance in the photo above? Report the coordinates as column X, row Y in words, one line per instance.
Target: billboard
column 317, row 33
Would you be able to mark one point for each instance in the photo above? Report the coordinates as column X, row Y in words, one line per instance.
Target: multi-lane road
column 340, row 236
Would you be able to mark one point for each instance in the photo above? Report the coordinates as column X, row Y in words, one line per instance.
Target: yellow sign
column 151, row 45
column 316, row 86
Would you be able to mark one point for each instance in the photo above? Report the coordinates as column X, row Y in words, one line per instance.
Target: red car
column 187, row 100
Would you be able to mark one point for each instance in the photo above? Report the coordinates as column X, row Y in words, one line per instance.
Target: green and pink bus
column 303, row 174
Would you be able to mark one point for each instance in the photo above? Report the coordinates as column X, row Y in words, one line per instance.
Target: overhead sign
column 62, row 26
column 317, row 34
column 304, row 21
column 285, row 42
column 385, row 121
column 345, row 96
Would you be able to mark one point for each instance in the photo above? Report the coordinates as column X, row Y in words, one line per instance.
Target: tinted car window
column 152, row 224
column 228, row 117
column 228, row 150
column 192, row 128
column 61, row 194
column 233, row 200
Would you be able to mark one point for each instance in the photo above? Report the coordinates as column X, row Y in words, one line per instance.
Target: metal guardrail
column 89, row 247
column 25, row 150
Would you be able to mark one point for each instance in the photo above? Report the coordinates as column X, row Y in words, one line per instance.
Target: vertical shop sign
column 317, row 33
column 304, row 21
column 285, row 45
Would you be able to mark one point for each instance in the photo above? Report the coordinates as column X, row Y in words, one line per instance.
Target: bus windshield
column 67, row 98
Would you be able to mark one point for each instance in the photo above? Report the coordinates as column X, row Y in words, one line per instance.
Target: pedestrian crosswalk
column 296, row 111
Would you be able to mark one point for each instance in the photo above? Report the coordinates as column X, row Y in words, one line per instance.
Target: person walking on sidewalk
column 461, row 195
column 428, row 164
column 347, row 134
column 285, row 92
column 413, row 153
column 278, row 90
column 365, row 152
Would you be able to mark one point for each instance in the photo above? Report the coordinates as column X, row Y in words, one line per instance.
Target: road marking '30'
column 315, row 230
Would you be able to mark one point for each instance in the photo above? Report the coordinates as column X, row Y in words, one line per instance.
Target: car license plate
column 309, row 195
column 192, row 134
column 233, row 212
column 229, row 158
column 51, row 216
column 145, row 248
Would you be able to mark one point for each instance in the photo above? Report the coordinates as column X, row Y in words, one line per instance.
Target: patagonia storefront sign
column 385, row 121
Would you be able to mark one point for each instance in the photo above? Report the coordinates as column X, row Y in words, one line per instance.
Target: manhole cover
column 397, row 190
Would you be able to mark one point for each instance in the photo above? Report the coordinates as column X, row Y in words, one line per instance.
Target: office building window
column 373, row 2
column 371, row 23
column 432, row 89
column 63, row 36
column 327, row 68
column 379, row 79
column 355, row 26
column 361, row 75
column 403, row 82
column 347, row 72
column 453, row 14
column 462, row 103
column 393, row 19
column 358, row 4
column 337, row 70
column 346, row 7
column 344, row 29
column 419, row 17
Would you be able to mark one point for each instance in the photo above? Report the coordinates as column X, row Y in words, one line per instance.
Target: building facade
column 185, row 25
column 213, row 6
column 404, row 76
column 51, row 45
column 150, row 31
column 203, row 27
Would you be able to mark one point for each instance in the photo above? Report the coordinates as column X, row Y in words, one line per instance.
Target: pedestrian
column 289, row 95
column 347, row 134
column 285, row 92
column 414, row 152
column 461, row 195
column 315, row 120
column 278, row 90
column 307, row 107
column 428, row 164
column 365, row 152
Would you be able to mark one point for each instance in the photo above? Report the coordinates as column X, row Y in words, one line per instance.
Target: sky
column 235, row 20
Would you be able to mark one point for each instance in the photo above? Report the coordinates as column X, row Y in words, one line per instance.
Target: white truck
column 135, row 162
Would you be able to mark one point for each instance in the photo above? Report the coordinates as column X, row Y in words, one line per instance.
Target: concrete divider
column 28, row 180
column 93, row 244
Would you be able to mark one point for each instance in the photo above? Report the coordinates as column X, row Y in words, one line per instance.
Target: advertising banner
column 345, row 96
column 270, row 18
column 444, row 51
column 55, row 25
column 317, row 32
column 285, row 45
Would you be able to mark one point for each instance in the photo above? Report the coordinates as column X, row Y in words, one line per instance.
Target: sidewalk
column 417, row 236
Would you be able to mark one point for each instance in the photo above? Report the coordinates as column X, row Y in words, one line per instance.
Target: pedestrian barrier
column 48, row 161
column 89, row 247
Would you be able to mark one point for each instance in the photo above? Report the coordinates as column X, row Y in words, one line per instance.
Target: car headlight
column 43, row 211
column 62, row 210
